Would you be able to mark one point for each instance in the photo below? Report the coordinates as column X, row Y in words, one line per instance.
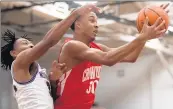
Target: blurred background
column 145, row 84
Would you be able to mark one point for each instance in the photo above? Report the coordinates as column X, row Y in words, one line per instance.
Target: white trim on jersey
column 62, row 81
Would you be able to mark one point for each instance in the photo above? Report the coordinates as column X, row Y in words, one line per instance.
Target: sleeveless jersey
column 35, row 93
column 76, row 88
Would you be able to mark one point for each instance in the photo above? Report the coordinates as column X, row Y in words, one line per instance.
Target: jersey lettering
column 91, row 73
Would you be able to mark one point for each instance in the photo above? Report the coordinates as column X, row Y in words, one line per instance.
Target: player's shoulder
column 74, row 44
column 19, row 59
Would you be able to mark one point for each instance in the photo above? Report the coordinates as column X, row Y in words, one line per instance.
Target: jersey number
column 92, row 86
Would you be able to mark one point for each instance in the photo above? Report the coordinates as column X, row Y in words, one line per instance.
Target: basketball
column 152, row 12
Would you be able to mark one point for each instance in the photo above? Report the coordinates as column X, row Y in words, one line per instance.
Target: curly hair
column 6, row 58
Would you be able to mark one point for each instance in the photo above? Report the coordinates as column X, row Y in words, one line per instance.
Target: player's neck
column 81, row 37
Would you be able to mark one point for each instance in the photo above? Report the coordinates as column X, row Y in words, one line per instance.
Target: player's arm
column 81, row 51
column 26, row 57
column 132, row 57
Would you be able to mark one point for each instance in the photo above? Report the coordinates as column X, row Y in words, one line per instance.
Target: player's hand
column 87, row 8
column 57, row 70
column 164, row 6
column 154, row 31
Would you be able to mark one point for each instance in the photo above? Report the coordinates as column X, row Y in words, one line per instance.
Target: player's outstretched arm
column 81, row 51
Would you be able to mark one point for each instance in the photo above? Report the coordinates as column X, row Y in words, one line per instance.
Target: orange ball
column 152, row 12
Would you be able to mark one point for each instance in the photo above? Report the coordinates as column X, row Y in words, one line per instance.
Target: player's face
column 20, row 45
column 88, row 24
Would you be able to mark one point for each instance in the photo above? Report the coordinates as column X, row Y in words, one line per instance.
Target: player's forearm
column 116, row 55
column 56, row 33
column 132, row 57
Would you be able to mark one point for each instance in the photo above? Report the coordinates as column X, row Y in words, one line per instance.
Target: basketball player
column 20, row 55
column 84, row 58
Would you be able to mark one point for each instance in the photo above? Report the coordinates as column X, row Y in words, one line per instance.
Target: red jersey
column 76, row 87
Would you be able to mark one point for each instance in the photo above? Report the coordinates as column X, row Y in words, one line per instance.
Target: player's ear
column 77, row 24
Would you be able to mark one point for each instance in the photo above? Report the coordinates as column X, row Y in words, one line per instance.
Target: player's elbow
column 131, row 61
column 134, row 60
column 108, row 62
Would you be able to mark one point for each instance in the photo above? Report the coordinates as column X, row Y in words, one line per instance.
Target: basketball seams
column 146, row 16
column 139, row 21
column 158, row 15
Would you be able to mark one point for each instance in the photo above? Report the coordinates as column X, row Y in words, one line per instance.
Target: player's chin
column 92, row 39
column 94, row 35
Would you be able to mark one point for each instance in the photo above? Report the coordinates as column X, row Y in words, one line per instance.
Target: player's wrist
column 75, row 13
column 142, row 38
